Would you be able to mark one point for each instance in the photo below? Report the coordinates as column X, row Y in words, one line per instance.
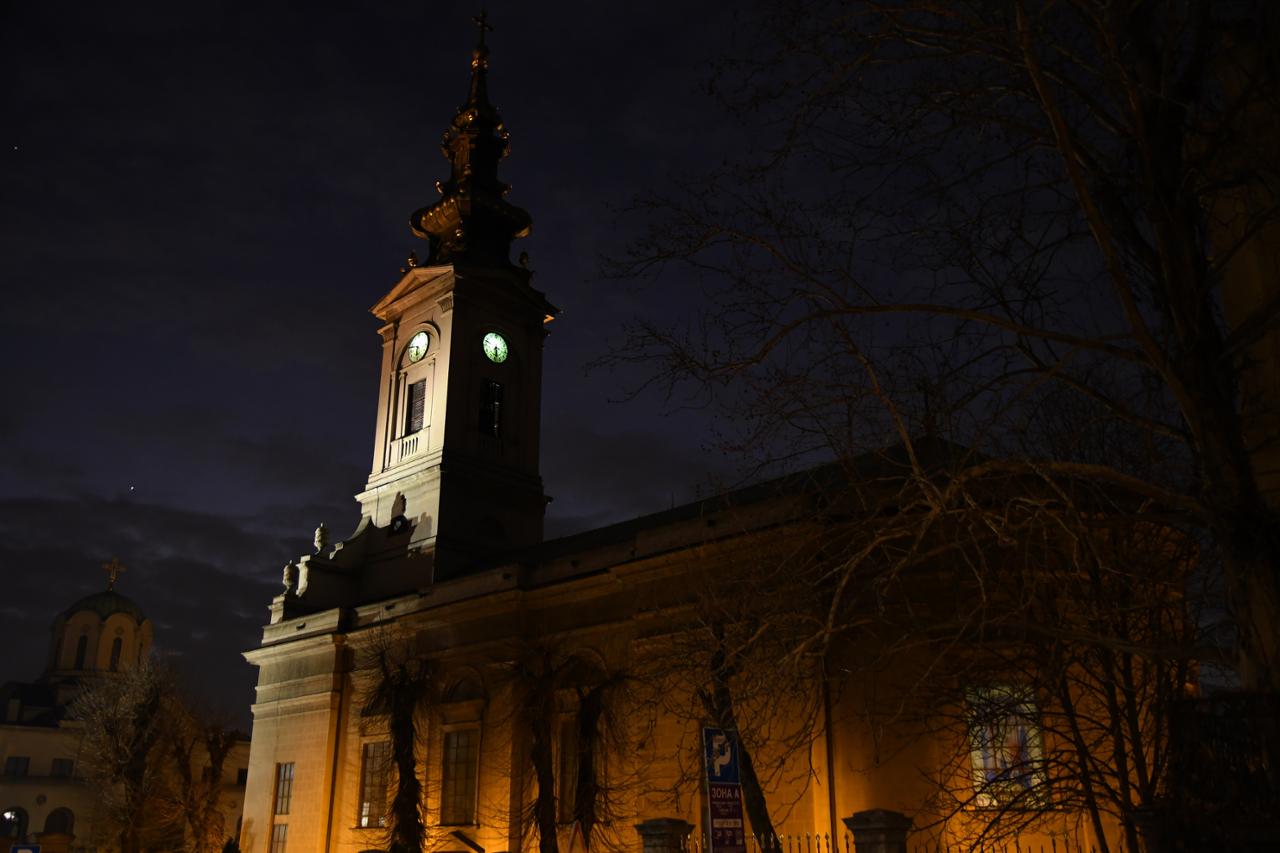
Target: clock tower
column 455, row 455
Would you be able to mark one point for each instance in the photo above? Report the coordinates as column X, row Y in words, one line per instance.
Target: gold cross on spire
column 113, row 570
column 482, row 21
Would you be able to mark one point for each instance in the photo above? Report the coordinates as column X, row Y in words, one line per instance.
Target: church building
column 448, row 571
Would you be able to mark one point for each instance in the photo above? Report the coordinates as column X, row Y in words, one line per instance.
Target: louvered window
column 491, row 408
column 416, row 406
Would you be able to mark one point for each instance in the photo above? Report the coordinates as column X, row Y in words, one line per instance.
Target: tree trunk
column 587, row 791
column 719, row 705
column 407, row 831
column 544, row 807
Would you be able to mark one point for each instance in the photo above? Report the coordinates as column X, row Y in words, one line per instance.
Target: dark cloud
column 204, row 580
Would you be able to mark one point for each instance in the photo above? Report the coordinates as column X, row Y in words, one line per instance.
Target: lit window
column 284, row 788
column 1005, row 746
column 458, row 791
column 279, row 834
column 17, row 766
column 374, row 768
column 62, row 768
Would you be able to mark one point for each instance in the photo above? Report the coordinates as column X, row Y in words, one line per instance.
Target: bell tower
column 455, row 456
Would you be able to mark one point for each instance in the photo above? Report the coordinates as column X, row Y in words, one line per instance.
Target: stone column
column 879, row 831
column 664, row 834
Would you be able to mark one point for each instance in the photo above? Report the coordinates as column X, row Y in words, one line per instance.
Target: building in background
column 44, row 798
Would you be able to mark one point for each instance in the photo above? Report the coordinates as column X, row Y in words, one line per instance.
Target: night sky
column 201, row 201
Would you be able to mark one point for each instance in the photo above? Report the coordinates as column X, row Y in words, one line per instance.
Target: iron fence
column 822, row 842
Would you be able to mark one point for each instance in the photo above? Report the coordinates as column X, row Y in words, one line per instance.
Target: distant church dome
column 101, row 633
column 105, row 604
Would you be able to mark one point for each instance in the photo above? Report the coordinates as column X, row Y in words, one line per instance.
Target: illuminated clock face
column 495, row 347
column 417, row 346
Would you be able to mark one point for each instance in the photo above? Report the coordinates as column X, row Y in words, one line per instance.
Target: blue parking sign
column 720, row 749
column 24, row 848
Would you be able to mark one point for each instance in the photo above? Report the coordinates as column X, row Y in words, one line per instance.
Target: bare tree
column 198, row 749
column 125, row 720
column 538, row 676
column 1047, row 657
column 961, row 220
column 731, row 656
column 571, row 703
column 962, row 214
column 401, row 686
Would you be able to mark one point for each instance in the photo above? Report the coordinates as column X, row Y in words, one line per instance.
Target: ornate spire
column 472, row 220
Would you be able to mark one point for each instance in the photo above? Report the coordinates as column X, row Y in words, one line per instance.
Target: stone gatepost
column 879, row 831
column 664, row 834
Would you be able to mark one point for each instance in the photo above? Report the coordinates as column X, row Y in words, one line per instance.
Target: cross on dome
column 113, row 570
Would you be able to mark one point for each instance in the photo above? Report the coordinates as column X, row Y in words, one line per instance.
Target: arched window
column 116, row 645
column 13, row 824
column 60, row 820
column 413, row 380
column 82, row 646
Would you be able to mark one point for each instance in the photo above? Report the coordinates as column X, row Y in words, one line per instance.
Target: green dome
column 104, row 604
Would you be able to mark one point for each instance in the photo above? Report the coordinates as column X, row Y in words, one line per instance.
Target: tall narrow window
column 491, row 408
column 284, row 787
column 458, row 788
column 279, row 835
column 1005, row 744
column 82, row 646
column 374, row 766
column 116, row 645
column 415, row 406
column 568, row 767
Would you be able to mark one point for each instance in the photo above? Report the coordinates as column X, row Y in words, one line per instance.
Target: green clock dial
column 495, row 347
column 417, row 346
